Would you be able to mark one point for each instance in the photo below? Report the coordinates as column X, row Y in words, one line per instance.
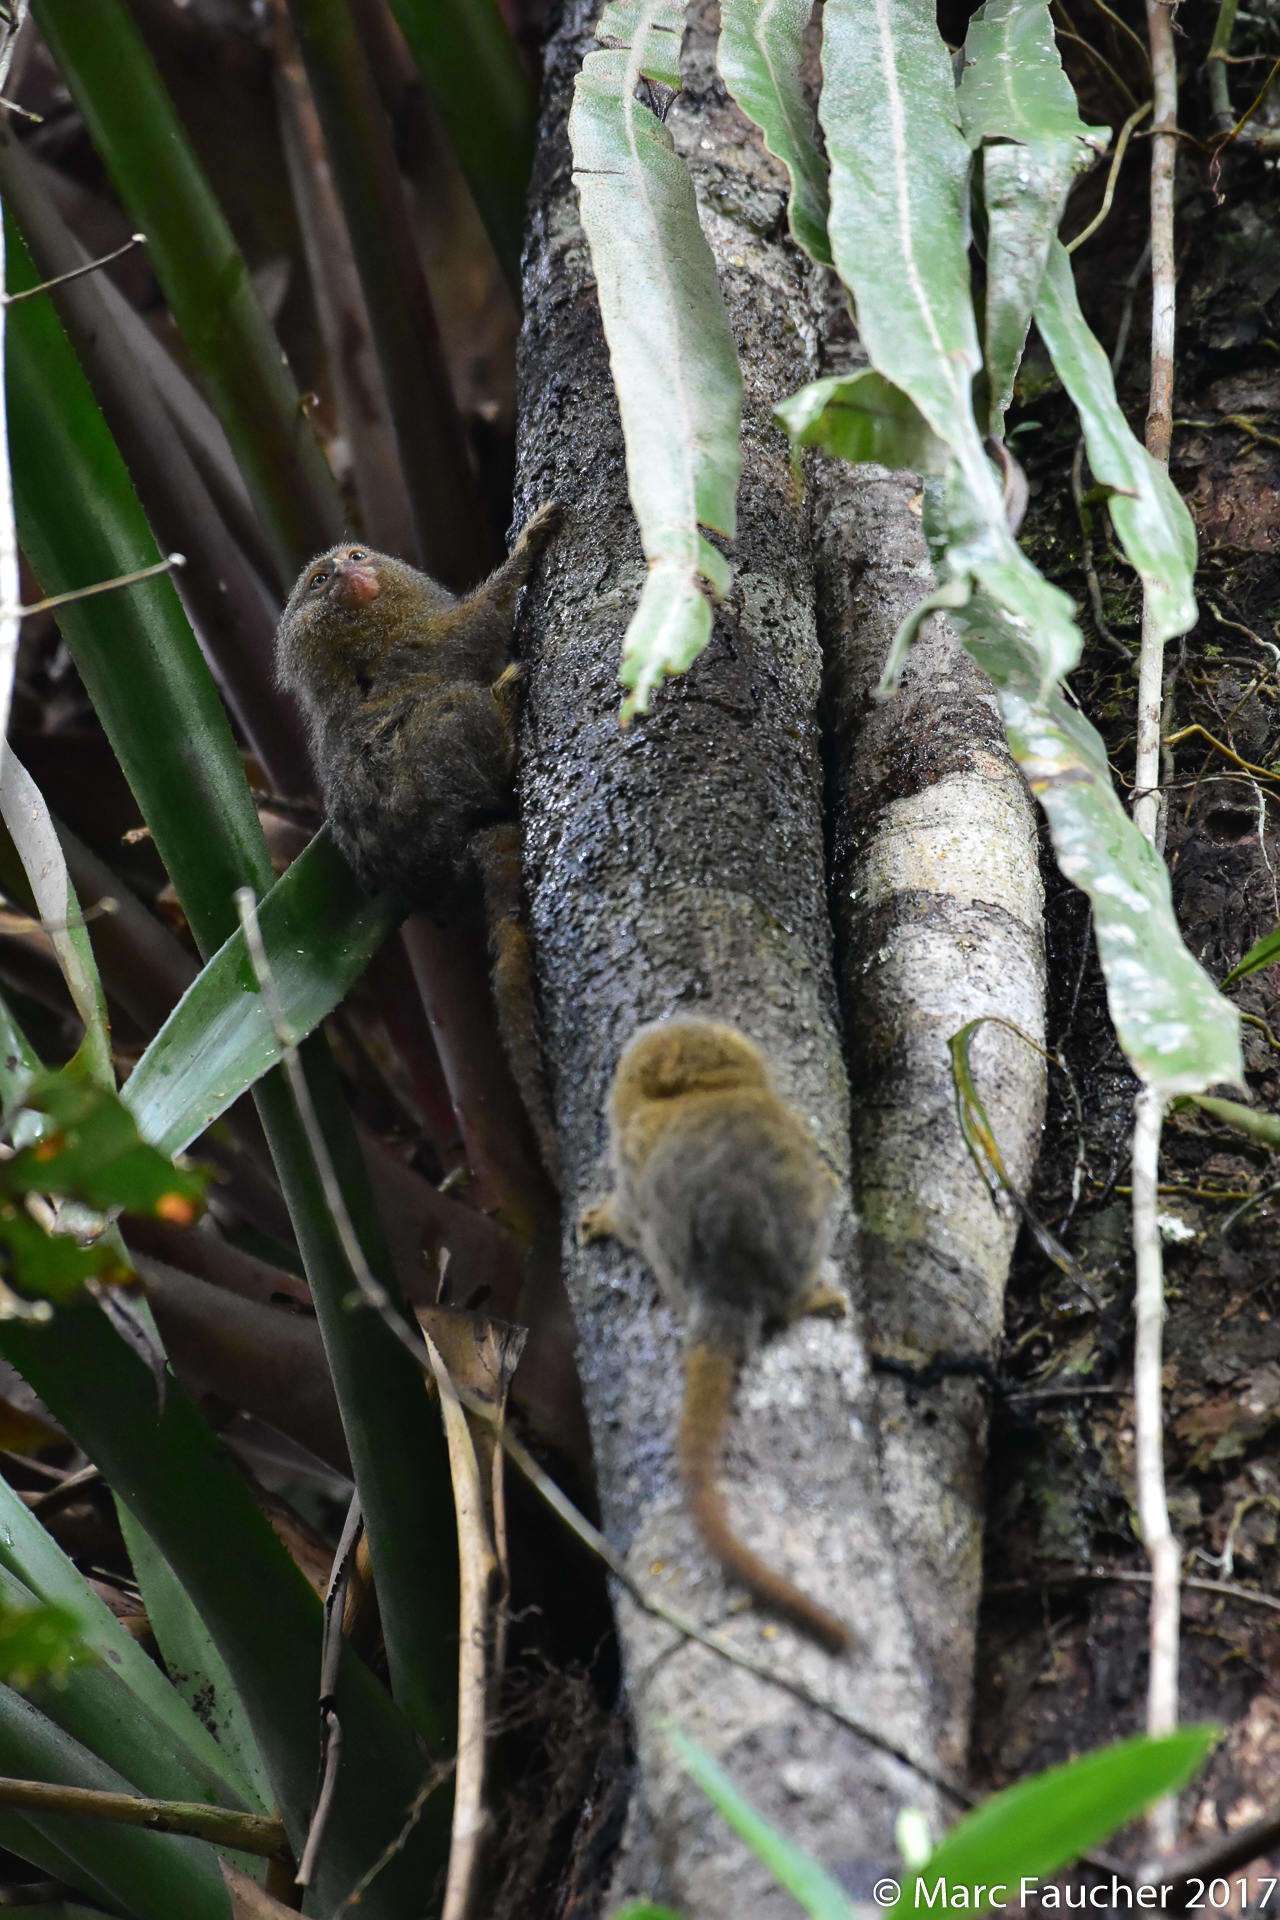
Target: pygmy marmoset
column 409, row 694
column 721, row 1188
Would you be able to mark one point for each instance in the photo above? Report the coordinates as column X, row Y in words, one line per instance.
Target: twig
column 221, row 1826
column 74, row 273
column 1064, row 33
column 435, row 1778
column 1135, row 118
column 10, row 620
column 1216, row 61
column 9, row 607
column 1123, row 26
column 1247, row 766
column 1137, row 1577
column 1153, row 1510
column 66, row 1489
column 478, row 1567
column 330, row 1658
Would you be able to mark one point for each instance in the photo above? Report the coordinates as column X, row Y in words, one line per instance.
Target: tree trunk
column 679, row 865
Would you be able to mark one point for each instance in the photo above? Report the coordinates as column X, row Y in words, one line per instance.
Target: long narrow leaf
column 30, row 1554
column 95, row 1705
column 466, row 54
column 206, row 282
column 805, row 1879
column 320, row 932
column 196, row 1668
column 167, row 1466
column 150, row 1876
column 35, row 837
column 861, row 416
column 1016, row 104
column 899, row 227
column 674, row 363
column 1147, row 511
column 760, row 56
column 19, row 1066
column 81, row 521
column 1178, row 1032
column 1033, row 1829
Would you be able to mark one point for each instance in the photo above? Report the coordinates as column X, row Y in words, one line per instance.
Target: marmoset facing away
column 410, row 700
column 721, row 1188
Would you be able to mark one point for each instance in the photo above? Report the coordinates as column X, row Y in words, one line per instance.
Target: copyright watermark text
column 939, row 1895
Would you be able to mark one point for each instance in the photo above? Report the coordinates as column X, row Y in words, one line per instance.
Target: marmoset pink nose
column 354, row 585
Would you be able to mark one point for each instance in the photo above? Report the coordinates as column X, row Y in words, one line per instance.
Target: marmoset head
column 348, row 607
column 678, row 1057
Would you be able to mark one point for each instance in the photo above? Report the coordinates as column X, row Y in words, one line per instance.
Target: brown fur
column 410, row 697
column 721, row 1188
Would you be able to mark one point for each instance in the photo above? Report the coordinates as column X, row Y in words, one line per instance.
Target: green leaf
column 201, row 270
column 803, row 1877
column 1176, row 1029
column 197, row 1669
column 674, row 362
column 899, row 201
column 94, row 1153
column 669, row 628
column 1014, row 95
column 653, row 30
column 953, row 593
column 1264, row 1127
column 36, row 1642
column 35, row 839
column 1036, row 640
column 899, row 220
column 80, row 521
column 466, row 54
column 645, row 1910
column 158, row 1731
column 1263, row 953
column 862, row 416
column 1149, row 515
column 18, row 1067
column 176, row 1478
column 51, row 1266
column 1032, row 1830
column 760, row 56
column 320, row 932
column 92, row 1704
column 149, row 1876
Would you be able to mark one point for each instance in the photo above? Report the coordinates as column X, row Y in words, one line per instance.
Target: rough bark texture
column 680, row 865
column 937, row 903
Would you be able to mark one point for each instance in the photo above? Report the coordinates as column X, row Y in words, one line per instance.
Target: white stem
column 1153, row 1510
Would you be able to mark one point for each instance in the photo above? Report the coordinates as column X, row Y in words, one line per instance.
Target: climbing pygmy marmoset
column 410, row 699
column 719, row 1185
